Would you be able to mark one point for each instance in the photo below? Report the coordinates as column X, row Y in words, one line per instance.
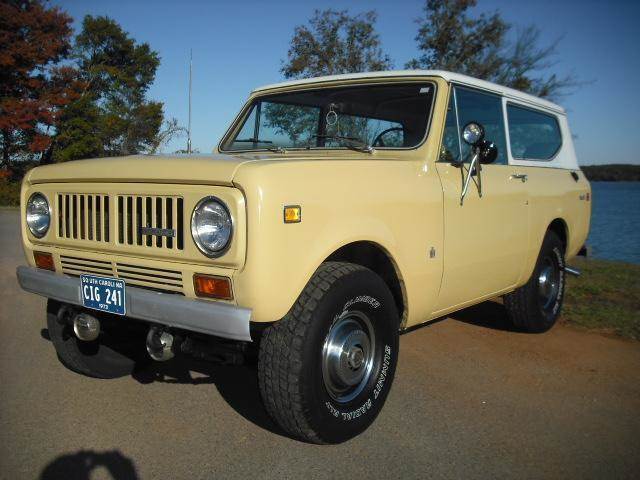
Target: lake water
column 615, row 221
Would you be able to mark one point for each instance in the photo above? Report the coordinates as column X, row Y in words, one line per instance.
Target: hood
column 215, row 169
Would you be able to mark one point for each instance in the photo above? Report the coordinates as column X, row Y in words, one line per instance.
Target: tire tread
column 281, row 350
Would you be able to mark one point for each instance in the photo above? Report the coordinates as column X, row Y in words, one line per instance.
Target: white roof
column 448, row 76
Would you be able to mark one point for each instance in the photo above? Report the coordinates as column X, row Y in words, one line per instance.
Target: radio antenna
column 189, row 127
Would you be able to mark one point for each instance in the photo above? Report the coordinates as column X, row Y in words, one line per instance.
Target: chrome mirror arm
column 474, row 165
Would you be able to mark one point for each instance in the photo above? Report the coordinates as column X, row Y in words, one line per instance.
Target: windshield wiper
column 277, row 149
column 251, row 140
column 360, row 146
column 271, row 147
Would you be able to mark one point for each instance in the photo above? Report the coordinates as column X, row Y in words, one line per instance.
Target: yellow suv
column 336, row 212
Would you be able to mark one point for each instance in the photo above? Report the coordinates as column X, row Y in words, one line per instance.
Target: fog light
column 212, row 286
column 44, row 260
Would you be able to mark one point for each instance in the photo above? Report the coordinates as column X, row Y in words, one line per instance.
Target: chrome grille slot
column 150, row 221
column 157, row 278
column 83, row 216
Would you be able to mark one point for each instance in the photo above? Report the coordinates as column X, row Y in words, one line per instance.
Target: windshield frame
column 240, row 119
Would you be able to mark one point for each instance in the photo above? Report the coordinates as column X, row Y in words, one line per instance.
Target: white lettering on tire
column 362, row 299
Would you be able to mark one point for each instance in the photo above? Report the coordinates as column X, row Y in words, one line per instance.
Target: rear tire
column 326, row 368
column 536, row 306
column 109, row 356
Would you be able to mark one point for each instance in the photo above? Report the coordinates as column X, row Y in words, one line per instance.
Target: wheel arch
column 375, row 257
column 560, row 228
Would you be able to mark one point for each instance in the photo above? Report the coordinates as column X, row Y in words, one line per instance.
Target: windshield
column 379, row 116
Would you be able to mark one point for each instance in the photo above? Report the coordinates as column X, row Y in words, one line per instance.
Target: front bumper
column 218, row 319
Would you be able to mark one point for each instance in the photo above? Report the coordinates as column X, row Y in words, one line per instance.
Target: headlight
column 38, row 215
column 211, row 226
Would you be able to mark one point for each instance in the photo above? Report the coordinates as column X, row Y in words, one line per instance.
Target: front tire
column 326, row 368
column 536, row 306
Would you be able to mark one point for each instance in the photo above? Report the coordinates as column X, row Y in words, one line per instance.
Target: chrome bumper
column 213, row 318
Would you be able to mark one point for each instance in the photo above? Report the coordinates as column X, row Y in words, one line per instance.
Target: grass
column 606, row 298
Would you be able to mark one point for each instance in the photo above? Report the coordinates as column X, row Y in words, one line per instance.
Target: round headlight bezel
column 194, row 233
column 34, row 232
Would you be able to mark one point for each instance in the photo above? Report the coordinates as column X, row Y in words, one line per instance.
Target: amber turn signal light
column 292, row 214
column 44, row 261
column 212, row 286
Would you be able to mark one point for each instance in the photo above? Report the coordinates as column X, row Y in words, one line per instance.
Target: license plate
column 103, row 293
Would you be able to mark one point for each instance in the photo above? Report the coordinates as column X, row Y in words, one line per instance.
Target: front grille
column 83, row 216
column 137, row 275
column 137, row 215
column 140, row 220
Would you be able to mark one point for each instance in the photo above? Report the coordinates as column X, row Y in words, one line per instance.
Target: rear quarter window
column 533, row 135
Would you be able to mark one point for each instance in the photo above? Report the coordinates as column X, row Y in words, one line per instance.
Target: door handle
column 519, row 176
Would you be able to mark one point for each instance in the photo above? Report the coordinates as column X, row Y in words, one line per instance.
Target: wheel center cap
column 355, row 357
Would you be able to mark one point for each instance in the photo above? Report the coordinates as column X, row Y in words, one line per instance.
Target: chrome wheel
column 348, row 356
column 548, row 283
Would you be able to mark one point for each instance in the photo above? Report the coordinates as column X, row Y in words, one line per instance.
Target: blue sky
column 240, row 45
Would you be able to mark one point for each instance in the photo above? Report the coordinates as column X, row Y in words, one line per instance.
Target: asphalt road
column 471, row 399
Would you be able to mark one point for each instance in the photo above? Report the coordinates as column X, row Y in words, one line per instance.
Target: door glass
column 485, row 109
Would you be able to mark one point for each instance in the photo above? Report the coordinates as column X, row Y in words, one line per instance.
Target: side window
column 450, row 151
column 533, row 135
column 486, row 109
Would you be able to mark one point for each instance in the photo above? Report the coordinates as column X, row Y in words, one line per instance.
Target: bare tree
column 170, row 129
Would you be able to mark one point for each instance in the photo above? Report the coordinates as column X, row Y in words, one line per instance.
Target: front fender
column 342, row 202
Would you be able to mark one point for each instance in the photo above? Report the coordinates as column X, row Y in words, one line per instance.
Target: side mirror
column 473, row 134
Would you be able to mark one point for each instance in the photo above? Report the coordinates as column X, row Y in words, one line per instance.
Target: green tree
column 450, row 38
column 335, row 42
column 113, row 116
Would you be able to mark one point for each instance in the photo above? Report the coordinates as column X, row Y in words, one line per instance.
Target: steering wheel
column 378, row 142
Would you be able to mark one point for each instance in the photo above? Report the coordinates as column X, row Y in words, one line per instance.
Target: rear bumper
column 212, row 318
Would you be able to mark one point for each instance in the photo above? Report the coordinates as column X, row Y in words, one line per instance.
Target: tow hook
column 86, row 327
column 572, row 271
column 160, row 344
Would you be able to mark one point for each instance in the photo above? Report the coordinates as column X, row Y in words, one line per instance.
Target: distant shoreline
column 612, row 173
